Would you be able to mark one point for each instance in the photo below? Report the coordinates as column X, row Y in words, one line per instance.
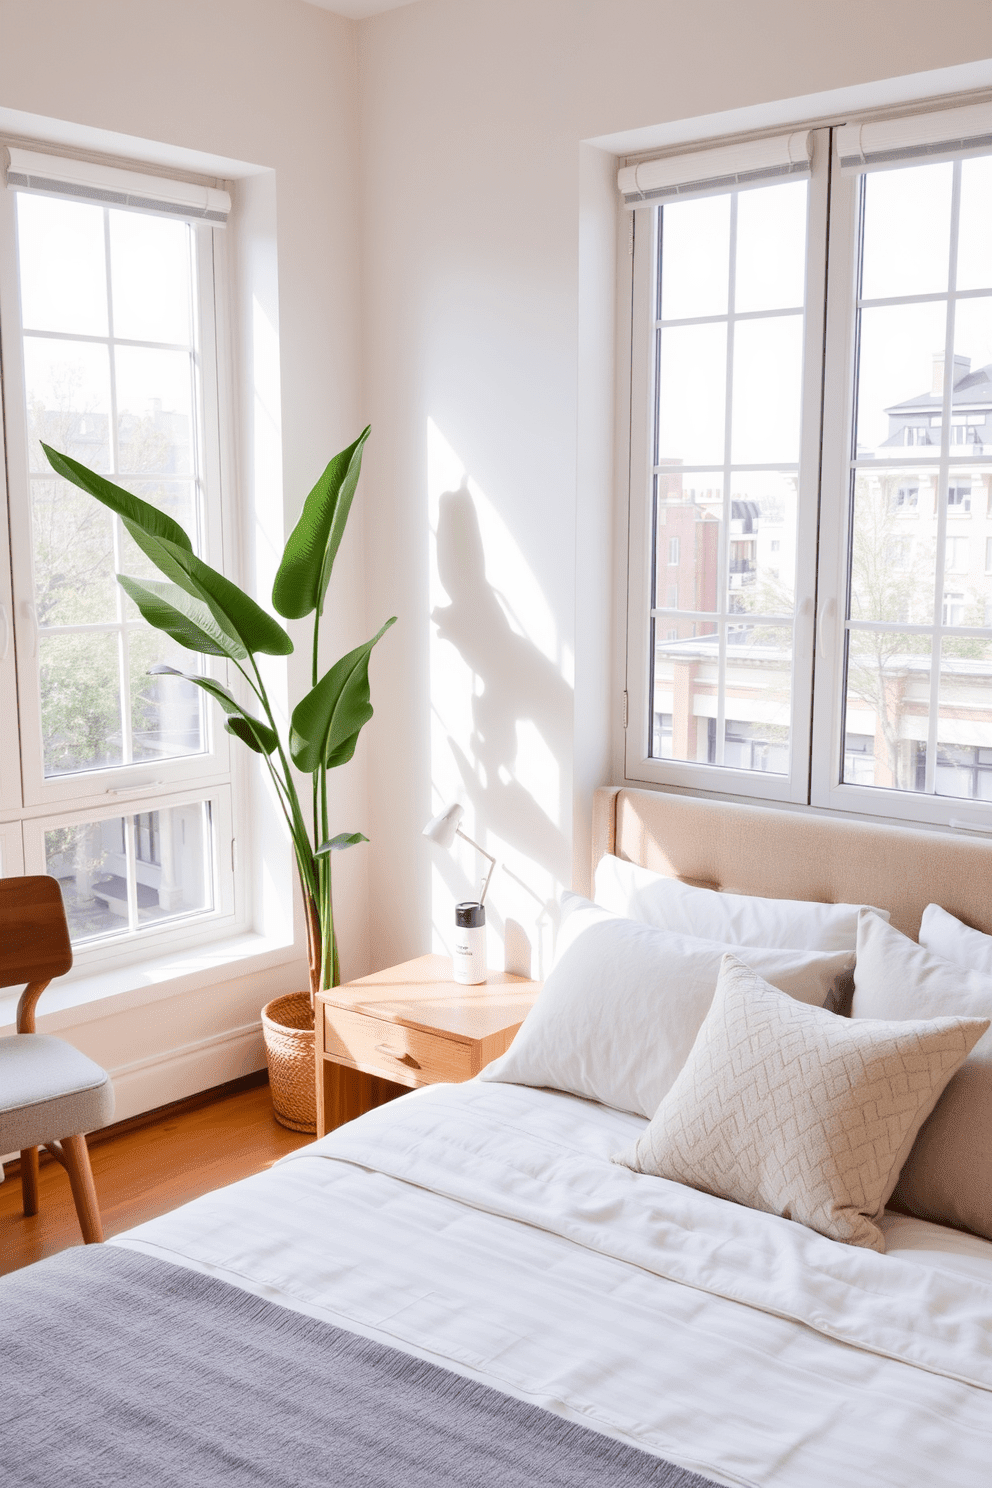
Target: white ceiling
column 357, row 10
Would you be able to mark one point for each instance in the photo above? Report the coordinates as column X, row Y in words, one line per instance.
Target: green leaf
column 185, row 619
column 329, row 719
column 341, row 841
column 234, row 611
column 258, row 736
column 343, row 753
column 305, row 571
column 251, row 731
column 168, row 546
column 136, row 513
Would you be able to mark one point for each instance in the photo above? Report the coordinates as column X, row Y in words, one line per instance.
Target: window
column 956, row 554
column 673, row 551
column 148, row 831
column 741, row 376
column 108, row 314
column 724, row 444
column 899, row 552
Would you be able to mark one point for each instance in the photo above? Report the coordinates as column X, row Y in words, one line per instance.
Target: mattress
column 483, row 1227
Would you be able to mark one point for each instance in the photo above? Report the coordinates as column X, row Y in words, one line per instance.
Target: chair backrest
column 34, row 936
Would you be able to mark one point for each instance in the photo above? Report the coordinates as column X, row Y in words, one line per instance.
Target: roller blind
column 56, row 175
column 706, row 172
column 942, row 135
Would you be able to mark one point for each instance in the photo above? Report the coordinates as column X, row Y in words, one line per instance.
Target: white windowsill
column 82, row 999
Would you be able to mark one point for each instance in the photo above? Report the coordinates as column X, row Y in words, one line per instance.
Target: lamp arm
column 482, row 851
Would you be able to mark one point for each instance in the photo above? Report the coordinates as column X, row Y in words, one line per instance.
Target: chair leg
column 77, row 1162
column 29, row 1180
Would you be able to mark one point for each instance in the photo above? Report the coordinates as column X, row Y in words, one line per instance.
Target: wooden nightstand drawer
column 408, row 1056
column 406, row 1026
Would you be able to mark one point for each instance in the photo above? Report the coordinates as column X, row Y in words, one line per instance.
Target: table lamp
column 470, row 916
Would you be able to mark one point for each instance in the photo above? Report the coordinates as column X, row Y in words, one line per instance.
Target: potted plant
column 207, row 613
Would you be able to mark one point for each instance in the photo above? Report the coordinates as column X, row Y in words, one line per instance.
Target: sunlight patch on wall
column 500, row 719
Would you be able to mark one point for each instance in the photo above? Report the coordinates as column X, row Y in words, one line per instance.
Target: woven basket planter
column 287, row 1024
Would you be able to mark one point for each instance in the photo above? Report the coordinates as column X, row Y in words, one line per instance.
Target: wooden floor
column 146, row 1171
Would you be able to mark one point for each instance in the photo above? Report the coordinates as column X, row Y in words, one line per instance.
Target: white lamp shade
column 442, row 828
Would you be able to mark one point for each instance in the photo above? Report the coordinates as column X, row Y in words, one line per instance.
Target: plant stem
column 294, row 815
column 329, row 969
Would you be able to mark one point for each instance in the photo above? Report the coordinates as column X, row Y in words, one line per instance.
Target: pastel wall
column 263, row 91
column 427, row 237
column 489, row 242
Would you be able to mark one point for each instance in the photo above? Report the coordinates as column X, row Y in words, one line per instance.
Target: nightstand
column 408, row 1026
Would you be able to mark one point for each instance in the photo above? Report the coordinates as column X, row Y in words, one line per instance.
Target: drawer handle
column 402, row 1058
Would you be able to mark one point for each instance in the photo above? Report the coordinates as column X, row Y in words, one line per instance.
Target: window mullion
column 123, row 659
column 130, row 846
column 723, row 546
column 936, row 647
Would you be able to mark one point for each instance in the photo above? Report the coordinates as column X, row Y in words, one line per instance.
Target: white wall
column 271, row 84
column 430, row 227
column 488, row 238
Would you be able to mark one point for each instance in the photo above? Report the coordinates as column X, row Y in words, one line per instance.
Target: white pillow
column 620, row 1010
column 732, row 919
column 941, row 933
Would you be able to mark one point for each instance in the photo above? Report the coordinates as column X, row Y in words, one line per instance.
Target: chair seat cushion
column 49, row 1090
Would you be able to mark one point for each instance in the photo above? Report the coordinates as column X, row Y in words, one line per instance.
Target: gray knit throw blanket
column 117, row 1369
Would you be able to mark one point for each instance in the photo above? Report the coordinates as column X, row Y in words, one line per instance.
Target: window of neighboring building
column 956, row 554
column 959, row 495
column 906, row 498
column 109, row 355
column 742, row 380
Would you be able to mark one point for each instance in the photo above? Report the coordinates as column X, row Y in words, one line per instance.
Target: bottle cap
column 469, row 915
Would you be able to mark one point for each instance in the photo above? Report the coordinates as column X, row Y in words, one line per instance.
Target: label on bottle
column 470, row 955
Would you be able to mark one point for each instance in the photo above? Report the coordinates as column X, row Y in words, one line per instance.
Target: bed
column 475, row 1249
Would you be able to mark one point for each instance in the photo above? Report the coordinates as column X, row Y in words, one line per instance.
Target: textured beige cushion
column 790, row 1109
column 948, row 1175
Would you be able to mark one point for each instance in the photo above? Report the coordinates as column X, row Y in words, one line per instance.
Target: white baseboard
column 174, row 1074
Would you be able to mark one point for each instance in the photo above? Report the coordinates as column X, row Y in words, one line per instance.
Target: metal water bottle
column 470, row 943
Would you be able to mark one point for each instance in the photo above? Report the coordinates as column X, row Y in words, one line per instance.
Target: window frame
column 639, row 766
column 827, row 787
column 29, row 803
column 214, row 763
column 103, row 952
column 10, row 743
column 818, row 743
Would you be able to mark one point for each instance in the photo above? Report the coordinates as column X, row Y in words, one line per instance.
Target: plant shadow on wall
column 521, row 705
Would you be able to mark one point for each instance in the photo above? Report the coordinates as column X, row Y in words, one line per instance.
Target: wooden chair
column 50, row 1093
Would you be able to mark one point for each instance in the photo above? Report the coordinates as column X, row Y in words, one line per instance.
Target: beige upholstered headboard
column 795, row 855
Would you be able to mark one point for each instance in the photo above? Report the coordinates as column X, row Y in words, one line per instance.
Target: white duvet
column 483, row 1226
